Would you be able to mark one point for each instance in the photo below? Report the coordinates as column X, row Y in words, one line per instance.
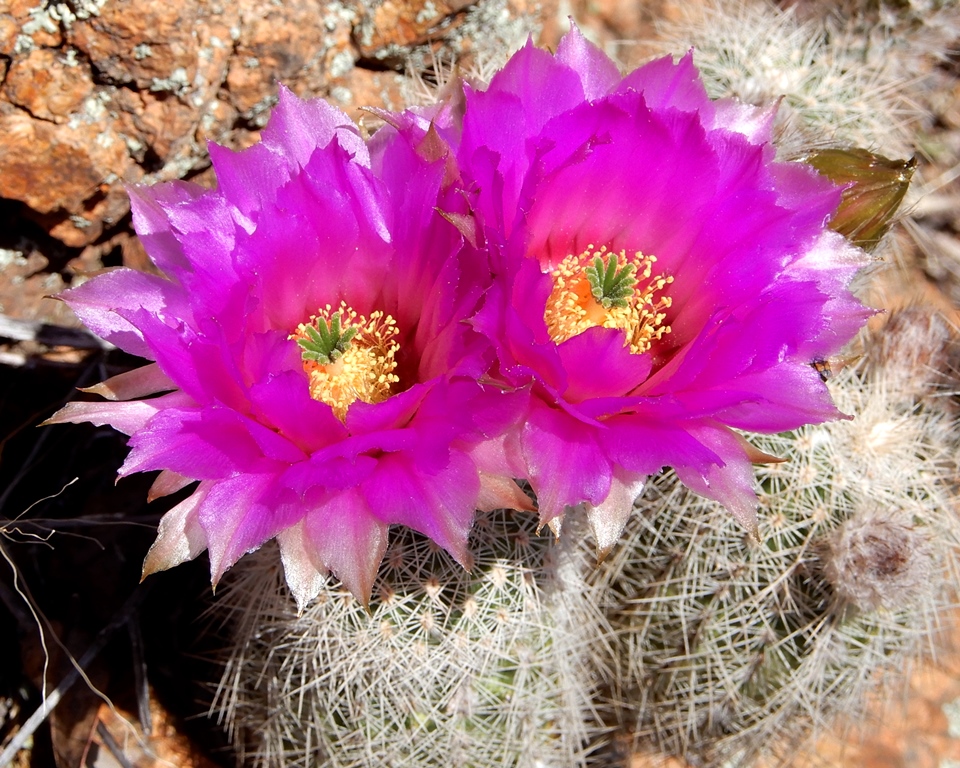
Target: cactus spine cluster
column 835, row 89
column 445, row 667
column 731, row 647
column 692, row 637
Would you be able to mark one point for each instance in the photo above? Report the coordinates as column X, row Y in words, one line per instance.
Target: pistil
column 611, row 290
column 348, row 357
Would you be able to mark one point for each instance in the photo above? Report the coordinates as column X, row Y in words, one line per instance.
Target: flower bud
column 875, row 188
column 878, row 560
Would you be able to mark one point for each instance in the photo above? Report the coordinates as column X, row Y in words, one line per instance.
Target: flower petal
column 730, row 482
column 140, row 382
column 208, row 444
column 180, row 537
column 440, row 505
column 499, row 492
column 239, row 514
column 98, row 303
column 348, row 540
column 598, row 74
column 598, row 364
column 167, row 482
column 608, row 518
column 302, row 566
column 126, row 417
column 566, row 465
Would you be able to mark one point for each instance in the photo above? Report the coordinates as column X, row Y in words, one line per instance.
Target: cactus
column 835, row 89
column 445, row 667
column 491, row 30
column 732, row 646
column 705, row 643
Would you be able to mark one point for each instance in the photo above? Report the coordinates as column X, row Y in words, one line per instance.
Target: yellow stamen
column 365, row 369
column 573, row 306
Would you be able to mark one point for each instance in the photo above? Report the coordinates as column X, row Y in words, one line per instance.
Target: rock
column 50, row 86
column 52, row 167
column 27, row 24
column 101, row 93
column 9, row 30
column 151, row 45
column 393, row 24
column 284, row 43
column 361, row 88
column 25, row 289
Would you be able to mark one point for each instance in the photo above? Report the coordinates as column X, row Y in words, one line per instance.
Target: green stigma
column 325, row 343
column 611, row 287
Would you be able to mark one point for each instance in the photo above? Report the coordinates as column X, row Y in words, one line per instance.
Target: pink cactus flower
column 308, row 334
column 662, row 280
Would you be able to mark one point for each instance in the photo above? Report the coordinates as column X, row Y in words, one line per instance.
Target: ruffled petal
column 440, row 506
column 180, row 537
column 297, row 128
column 565, row 464
column 126, row 417
column 730, row 482
column 239, row 514
column 167, row 482
column 668, row 85
column 499, row 492
column 302, row 566
column 150, row 206
column 325, row 238
column 659, row 435
column 249, row 179
column 608, row 518
column 100, row 303
column 600, row 349
column 140, row 382
column 208, row 444
column 283, row 401
column 756, row 123
column 598, row 74
column 190, row 236
column 348, row 540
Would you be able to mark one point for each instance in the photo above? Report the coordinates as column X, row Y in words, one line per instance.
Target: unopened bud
column 878, row 560
column 874, row 189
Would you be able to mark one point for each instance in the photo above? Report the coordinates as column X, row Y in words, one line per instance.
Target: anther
column 599, row 288
column 348, row 357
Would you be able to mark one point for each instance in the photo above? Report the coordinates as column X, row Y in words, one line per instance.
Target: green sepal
column 610, row 286
column 875, row 188
column 326, row 342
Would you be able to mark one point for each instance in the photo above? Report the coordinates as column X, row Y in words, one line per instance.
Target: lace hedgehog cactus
column 570, row 277
column 481, row 669
column 837, row 87
column 733, row 648
column 628, row 368
column 351, row 335
column 663, row 281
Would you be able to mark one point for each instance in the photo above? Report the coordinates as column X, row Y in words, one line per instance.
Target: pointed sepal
column 874, row 190
column 608, row 518
column 179, row 538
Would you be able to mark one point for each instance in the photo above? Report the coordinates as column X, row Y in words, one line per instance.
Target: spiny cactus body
column 487, row 668
column 732, row 646
column 834, row 91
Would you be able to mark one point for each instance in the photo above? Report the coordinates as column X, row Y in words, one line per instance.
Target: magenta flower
column 662, row 280
column 320, row 382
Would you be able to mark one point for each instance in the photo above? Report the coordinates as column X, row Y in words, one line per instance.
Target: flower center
column 610, row 290
column 348, row 357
